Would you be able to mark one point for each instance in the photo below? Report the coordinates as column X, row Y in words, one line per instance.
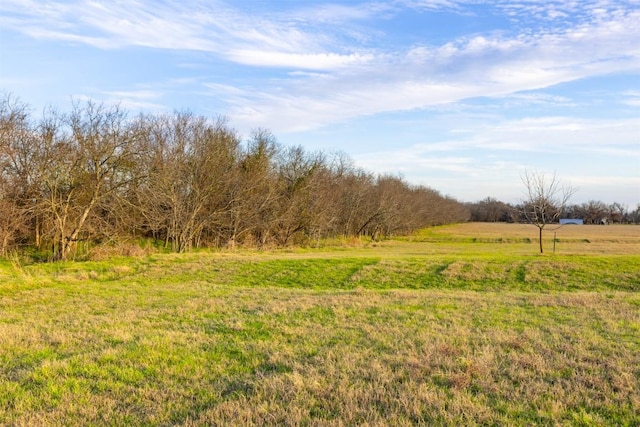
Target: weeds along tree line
column 97, row 175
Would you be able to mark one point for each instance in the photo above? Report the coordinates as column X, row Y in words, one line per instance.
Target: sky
column 461, row 96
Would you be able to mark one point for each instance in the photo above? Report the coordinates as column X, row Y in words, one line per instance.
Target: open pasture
column 570, row 239
column 457, row 325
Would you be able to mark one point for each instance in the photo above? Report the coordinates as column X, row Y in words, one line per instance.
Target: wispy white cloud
column 338, row 14
column 423, row 76
column 544, row 135
column 310, row 65
column 411, row 160
column 212, row 27
column 493, row 156
column 136, row 100
column 608, row 188
column 313, row 61
column 632, row 98
column 540, row 99
column 355, row 80
column 559, row 135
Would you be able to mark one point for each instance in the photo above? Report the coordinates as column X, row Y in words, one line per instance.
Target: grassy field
column 457, row 325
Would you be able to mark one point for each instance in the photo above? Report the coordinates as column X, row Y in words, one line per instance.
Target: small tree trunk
column 38, row 233
column 541, row 251
column 5, row 244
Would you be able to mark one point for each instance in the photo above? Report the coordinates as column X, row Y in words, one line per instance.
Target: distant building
column 575, row 221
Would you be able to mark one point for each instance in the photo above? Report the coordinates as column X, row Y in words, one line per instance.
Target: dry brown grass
column 615, row 232
column 442, row 358
column 523, row 238
column 244, row 338
column 200, row 354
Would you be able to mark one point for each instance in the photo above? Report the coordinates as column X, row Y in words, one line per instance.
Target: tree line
column 591, row 212
column 97, row 175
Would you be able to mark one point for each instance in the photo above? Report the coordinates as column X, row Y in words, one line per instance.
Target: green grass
column 397, row 333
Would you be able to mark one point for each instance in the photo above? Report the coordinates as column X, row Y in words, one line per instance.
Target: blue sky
column 458, row 95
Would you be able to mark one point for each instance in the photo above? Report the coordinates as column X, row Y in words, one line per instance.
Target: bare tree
column 86, row 158
column 491, row 210
column 545, row 199
column 190, row 163
column 300, row 204
column 92, row 175
column 617, row 212
column 16, row 171
column 251, row 193
column 594, row 211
